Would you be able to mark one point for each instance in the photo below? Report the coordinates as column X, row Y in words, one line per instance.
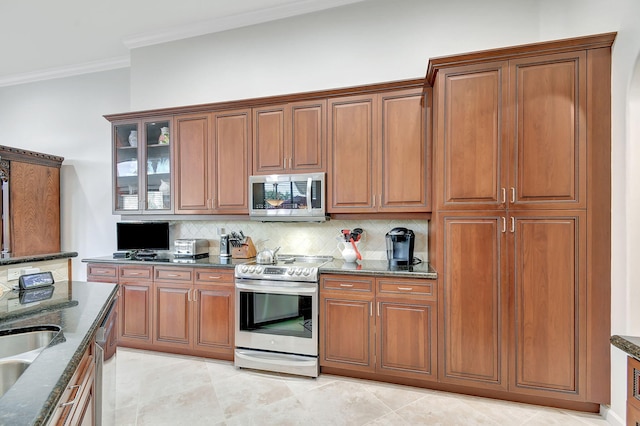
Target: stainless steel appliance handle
column 309, row 180
column 275, row 287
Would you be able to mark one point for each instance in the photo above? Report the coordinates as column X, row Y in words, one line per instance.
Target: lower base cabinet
column 379, row 325
column 633, row 392
column 173, row 309
column 76, row 406
column 194, row 309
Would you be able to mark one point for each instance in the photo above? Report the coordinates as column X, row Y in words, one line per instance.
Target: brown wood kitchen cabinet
column 522, row 207
column 30, row 202
column 290, row 138
column 194, row 310
column 633, row 391
column 213, row 162
column 173, row 308
column 135, row 300
column 142, row 169
column 378, row 147
column 135, row 306
column 76, row 405
column 386, row 326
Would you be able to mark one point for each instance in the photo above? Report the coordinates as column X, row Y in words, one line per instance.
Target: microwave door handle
column 309, row 180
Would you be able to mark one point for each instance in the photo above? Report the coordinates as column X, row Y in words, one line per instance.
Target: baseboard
column 610, row 416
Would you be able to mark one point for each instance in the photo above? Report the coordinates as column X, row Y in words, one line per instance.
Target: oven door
column 277, row 316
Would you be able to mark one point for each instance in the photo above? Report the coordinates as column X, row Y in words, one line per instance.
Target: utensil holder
column 246, row 251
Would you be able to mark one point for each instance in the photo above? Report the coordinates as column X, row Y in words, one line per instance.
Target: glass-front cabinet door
column 142, row 167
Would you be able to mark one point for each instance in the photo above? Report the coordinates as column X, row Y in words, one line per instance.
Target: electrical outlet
column 13, row 273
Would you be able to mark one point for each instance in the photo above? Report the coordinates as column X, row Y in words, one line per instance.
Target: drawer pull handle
column 405, row 288
column 346, row 285
column 173, row 275
column 134, row 273
column 72, row 387
column 214, row 278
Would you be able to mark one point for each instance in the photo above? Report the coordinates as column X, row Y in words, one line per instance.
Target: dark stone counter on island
column 628, row 344
column 77, row 308
column 37, row 258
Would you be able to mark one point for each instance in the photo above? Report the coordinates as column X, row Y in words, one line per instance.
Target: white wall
column 64, row 117
column 369, row 42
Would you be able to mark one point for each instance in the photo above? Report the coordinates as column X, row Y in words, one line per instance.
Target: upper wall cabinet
column 142, row 166
column 290, row 138
column 212, row 162
column 512, row 133
column 379, row 153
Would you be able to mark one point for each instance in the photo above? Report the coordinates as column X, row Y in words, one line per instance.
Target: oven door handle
column 271, row 288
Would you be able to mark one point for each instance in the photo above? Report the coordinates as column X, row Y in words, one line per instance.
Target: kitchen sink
column 18, row 348
column 10, row 372
column 18, row 342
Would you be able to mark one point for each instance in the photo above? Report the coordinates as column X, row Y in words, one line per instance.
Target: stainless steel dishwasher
column 105, row 385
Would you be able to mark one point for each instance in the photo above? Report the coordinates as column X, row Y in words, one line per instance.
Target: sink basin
column 22, row 341
column 10, row 371
column 18, row 348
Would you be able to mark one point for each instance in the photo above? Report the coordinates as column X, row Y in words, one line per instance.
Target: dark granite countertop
column 205, row 262
column 337, row 266
column 378, row 268
column 77, row 307
column 37, row 258
column 629, row 344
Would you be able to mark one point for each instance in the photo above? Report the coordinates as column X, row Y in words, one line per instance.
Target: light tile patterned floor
column 160, row 389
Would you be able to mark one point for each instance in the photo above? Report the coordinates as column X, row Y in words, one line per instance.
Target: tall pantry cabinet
column 521, row 220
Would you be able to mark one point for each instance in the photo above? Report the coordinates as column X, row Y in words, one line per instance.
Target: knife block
column 245, row 251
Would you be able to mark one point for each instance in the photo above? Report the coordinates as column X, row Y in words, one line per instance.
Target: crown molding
column 66, row 71
column 232, row 21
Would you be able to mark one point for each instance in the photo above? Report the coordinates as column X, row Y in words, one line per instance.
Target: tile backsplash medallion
column 307, row 238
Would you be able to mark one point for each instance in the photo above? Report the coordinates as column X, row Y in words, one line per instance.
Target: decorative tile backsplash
column 307, row 238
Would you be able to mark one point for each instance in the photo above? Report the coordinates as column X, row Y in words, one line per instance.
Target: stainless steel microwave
column 288, row 198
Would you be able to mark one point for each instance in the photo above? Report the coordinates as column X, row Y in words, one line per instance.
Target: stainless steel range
column 277, row 315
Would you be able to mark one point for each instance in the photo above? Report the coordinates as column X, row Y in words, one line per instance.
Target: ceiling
column 41, row 39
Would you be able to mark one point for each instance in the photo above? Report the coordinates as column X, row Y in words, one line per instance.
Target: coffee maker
column 400, row 243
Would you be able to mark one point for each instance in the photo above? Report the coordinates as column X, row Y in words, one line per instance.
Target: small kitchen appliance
column 191, row 247
column 400, row 243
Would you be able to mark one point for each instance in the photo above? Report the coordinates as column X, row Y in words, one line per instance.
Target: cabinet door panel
column 135, row 312
column 232, row 138
column 308, row 136
column 192, row 163
column 549, row 303
column 35, row 209
column 270, row 137
column 172, row 314
column 352, row 159
column 475, row 301
column 347, row 338
column 407, row 334
column 550, row 137
column 470, row 137
column 214, row 317
column 404, row 151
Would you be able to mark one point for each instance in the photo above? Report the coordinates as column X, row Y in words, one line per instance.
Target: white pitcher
column 347, row 252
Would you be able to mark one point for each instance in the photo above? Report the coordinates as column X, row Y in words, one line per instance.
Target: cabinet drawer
column 415, row 287
column 106, row 271
column 137, row 272
column 347, row 283
column 213, row 276
column 174, row 274
column 72, row 394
